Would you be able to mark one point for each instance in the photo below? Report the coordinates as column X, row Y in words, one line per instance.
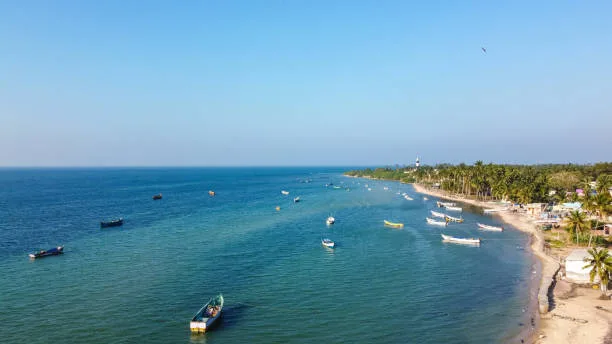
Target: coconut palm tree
column 600, row 263
column 576, row 224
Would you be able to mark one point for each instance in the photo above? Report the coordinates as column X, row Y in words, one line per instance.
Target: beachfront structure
column 535, row 209
column 574, row 264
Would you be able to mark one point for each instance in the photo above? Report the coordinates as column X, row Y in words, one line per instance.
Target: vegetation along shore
column 566, row 208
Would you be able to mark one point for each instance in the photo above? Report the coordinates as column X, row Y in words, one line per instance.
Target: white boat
column 453, row 208
column 494, row 210
column 425, row 199
column 328, row 243
column 385, row 188
column 369, row 189
column 453, row 219
column 469, row 241
column 436, row 223
column 330, row 220
column 436, row 214
column 408, row 198
column 285, row 192
column 207, row 315
column 445, row 204
column 297, row 199
column 490, row 228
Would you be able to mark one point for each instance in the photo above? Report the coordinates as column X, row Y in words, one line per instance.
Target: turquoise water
column 143, row 282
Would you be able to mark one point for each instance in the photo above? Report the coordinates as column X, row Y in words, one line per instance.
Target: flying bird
column 483, row 49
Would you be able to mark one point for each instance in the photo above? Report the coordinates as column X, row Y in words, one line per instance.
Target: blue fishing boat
column 158, row 196
column 112, row 223
column 45, row 253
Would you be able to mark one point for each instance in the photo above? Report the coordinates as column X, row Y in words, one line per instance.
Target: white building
column 418, row 163
column 574, row 264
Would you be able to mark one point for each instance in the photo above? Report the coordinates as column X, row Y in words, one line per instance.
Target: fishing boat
column 50, row 252
column 408, row 198
column 445, row 204
column 330, row 220
column 211, row 193
column 285, row 192
column 469, row 241
column 336, row 187
column 494, row 210
column 436, row 223
column 453, row 208
column 393, row 224
column 158, row 196
column 113, row 223
column 436, row 214
column 328, row 243
column 425, row 199
column 297, row 199
column 207, row 315
column 453, row 219
column 490, row 228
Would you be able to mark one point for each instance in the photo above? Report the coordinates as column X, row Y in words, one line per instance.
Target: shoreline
column 583, row 319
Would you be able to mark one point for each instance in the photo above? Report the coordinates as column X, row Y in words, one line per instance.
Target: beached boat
column 328, row 243
column 285, row 192
column 453, row 208
column 158, row 196
column 297, row 199
column 393, row 224
column 211, row 193
column 330, row 220
column 436, row 223
column 207, row 315
column 436, row 214
column 469, row 241
column 490, row 228
column 113, row 223
column 453, row 219
column 445, row 204
column 408, row 198
column 45, row 253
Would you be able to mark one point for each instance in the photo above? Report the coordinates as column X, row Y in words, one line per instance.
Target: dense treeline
column 518, row 183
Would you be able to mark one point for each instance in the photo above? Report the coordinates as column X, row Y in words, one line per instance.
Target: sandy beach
column 574, row 314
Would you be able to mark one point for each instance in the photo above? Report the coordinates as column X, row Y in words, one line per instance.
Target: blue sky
column 141, row 83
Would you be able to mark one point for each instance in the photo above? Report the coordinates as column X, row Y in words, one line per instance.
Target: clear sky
column 113, row 83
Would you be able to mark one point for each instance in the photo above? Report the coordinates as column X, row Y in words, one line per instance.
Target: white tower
column 418, row 163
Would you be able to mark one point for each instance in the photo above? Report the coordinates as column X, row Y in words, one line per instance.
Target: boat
column 113, row 223
column 330, row 220
column 207, row 315
column 328, row 243
column 211, row 193
column 453, row 208
column 490, row 228
column 425, row 199
column 445, row 204
column 453, row 219
column 469, row 241
column 297, row 199
column 158, row 196
column 436, row 223
column 393, row 224
column 494, row 210
column 285, row 192
column 385, row 188
column 408, row 198
column 336, row 187
column 436, row 214
column 277, row 208
column 50, row 252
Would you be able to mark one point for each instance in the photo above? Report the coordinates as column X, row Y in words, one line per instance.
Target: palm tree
column 600, row 263
column 576, row 224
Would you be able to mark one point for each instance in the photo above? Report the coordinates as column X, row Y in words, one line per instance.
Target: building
column 574, row 264
column 417, row 163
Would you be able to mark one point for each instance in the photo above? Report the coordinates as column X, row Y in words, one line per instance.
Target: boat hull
column 490, row 228
column 116, row 223
column 50, row 252
column 464, row 241
column 202, row 324
column 393, row 224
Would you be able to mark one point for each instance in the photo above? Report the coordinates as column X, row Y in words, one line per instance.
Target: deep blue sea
column 142, row 282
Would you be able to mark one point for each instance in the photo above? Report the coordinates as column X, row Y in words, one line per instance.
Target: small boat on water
column 277, row 208
column 453, row 219
column 490, row 228
column 50, row 252
column 453, row 208
column 207, row 315
column 494, row 210
column 336, row 187
column 330, row 220
column 393, row 224
column 436, row 223
column 408, row 198
column 297, row 199
column 469, row 241
column 285, row 192
column 211, row 193
column 158, row 196
column 113, row 223
column 328, row 243
column 436, row 214
column 445, row 204
column 425, row 199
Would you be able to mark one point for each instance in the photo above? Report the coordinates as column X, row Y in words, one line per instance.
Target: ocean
column 144, row 281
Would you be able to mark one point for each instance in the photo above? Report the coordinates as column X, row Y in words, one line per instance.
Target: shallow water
column 142, row 282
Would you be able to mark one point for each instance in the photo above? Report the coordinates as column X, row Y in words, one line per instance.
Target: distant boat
column 336, row 187
column 469, row 241
column 436, row 223
column 385, row 188
column 328, row 243
column 211, row 193
column 277, row 208
column 453, row 219
column 330, row 220
column 445, row 204
column 50, row 252
column 297, row 199
column 369, row 189
column 207, row 315
column 454, row 208
column 488, row 211
column 425, row 199
column 408, row 198
column 113, row 223
column 158, row 196
column 285, row 192
column 490, row 228
column 436, row 214
column 393, row 224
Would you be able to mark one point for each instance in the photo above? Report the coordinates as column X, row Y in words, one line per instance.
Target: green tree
column 600, row 263
column 577, row 224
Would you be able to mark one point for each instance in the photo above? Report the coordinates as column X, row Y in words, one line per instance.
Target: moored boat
column 207, row 315
column 469, row 241
column 494, row 210
column 297, row 199
column 425, row 199
column 445, row 204
column 453, row 219
column 45, row 253
column 330, row 220
column 436, row 223
column 158, row 196
column 328, row 243
column 112, row 223
column 453, row 208
column 436, row 214
column 285, row 192
column 490, row 228
column 393, row 224
column 408, row 198
column 211, row 193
